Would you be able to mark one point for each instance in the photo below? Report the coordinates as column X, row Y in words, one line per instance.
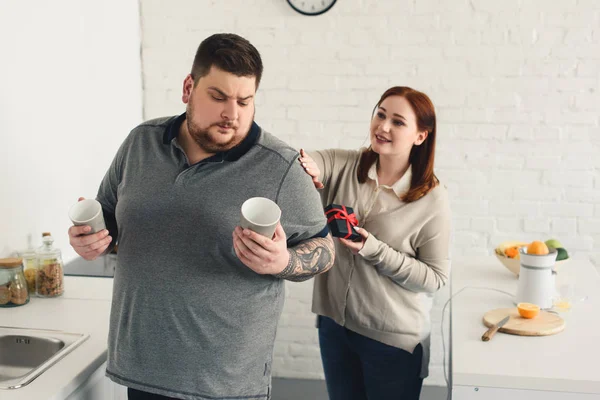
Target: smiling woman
column 378, row 293
column 403, row 128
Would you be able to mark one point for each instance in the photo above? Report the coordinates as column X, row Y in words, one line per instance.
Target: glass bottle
column 30, row 266
column 50, row 277
column 13, row 286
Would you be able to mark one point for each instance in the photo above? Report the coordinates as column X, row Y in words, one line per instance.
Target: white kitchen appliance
column 536, row 278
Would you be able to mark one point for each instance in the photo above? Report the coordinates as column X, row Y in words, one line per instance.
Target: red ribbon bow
column 342, row 213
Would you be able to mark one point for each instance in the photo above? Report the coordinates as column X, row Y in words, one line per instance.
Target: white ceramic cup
column 260, row 215
column 88, row 212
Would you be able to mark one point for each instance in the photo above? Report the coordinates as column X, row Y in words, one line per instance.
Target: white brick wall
column 516, row 85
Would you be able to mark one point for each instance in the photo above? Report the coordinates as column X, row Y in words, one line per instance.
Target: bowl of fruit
column 508, row 253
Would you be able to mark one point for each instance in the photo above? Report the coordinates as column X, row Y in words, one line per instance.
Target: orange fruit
column 528, row 310
column 538, row 248
column 512, row 252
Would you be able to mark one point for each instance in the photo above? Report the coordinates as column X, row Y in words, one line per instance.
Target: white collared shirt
column 385, row 197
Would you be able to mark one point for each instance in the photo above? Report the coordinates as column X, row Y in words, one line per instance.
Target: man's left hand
column 260, row 254
column 355, row 247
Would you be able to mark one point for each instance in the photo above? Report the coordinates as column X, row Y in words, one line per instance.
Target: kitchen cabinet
column 99, row 387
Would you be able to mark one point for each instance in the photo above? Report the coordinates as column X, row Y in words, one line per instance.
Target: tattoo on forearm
column 308, row 259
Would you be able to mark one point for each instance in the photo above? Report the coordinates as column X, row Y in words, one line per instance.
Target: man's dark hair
column 230, row 53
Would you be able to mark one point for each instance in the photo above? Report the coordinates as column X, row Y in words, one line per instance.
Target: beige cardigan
column 386, row 291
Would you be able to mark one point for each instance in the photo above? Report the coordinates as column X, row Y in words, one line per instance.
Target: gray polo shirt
column 188, row 318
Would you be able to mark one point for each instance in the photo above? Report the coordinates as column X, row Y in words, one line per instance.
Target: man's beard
column 203, row 138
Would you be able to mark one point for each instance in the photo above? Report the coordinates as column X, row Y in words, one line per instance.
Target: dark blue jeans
column 359, row 368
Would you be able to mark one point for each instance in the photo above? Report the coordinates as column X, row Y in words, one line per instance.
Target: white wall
column 516, row 85
column 70, row 91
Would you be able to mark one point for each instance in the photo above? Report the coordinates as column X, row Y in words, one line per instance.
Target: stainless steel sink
column 26, row 353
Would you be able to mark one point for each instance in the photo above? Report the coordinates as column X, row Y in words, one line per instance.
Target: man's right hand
column 89, row 247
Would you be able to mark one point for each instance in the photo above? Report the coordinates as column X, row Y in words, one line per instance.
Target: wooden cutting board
column 543, row 324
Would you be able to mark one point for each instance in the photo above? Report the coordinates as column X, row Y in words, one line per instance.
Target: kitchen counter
column 562, row 366
column 558, row 367
column 83, row 308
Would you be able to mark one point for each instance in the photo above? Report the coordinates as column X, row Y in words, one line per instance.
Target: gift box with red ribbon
column 341, row 221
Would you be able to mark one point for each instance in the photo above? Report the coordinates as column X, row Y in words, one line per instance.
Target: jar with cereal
column 13, row 286
column 50, row 277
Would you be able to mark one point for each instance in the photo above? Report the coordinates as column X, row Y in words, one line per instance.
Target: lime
column 553, row 243
column 562, row 254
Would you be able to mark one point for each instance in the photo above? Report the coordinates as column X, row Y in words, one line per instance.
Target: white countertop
column 565, row 362
column 83, row 308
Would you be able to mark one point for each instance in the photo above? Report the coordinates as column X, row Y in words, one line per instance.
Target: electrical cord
column 446, row 378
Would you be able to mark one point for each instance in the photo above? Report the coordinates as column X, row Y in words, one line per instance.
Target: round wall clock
column 311, row 7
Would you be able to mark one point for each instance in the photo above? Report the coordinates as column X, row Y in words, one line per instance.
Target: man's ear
column 188, row 87
column 421, row 137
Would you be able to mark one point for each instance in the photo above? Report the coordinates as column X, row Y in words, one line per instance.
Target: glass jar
column 50, row 276
column 30, row 268
column 13, row 286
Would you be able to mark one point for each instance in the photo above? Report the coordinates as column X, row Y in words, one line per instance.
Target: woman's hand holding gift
column 355, row 247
